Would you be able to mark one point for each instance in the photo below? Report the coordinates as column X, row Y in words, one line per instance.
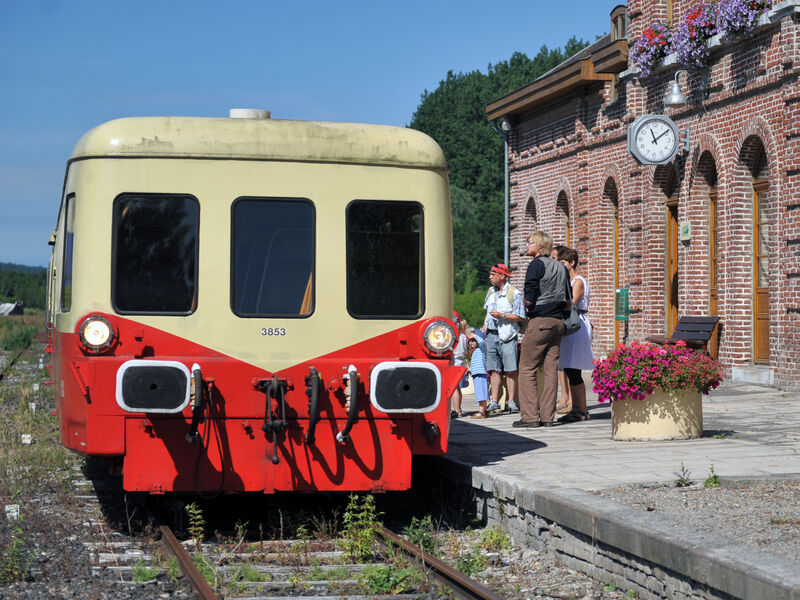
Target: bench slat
column 702, row 336
column 695, row 326
column 689, row 319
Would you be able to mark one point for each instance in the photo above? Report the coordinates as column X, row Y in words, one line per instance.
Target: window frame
column 232, row 269
column 114, row 237
column 422, row 274
column 68, row 246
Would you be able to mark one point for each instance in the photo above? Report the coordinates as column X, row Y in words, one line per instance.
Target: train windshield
column 384, row 259
column 155, row 254
column 273, row 257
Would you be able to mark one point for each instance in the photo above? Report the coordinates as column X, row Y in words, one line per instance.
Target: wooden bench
column 695, row 331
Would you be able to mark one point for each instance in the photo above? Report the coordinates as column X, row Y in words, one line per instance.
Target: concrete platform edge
column 711, row 566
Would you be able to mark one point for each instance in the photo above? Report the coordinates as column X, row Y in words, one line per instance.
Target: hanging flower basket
column 690, row 40
column 740, row 17
column 651, row 48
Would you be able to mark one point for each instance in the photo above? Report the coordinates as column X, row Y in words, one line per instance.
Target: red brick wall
column 577, row 150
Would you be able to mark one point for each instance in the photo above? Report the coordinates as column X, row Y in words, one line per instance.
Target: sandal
column 574, row 417
column 563, row 408
column 479, row 415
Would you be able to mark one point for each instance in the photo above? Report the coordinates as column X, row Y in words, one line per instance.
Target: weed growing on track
column 360, row 522
column 713, row 479
column 144, row 572
column 421, row 533
column 495, row 539
column 390, row 580
column 197, row 523
column 684, row 477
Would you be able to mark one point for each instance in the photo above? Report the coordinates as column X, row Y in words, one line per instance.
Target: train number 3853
column 273, row 331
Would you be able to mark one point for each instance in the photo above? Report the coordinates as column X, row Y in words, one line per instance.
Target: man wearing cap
column 504, row 312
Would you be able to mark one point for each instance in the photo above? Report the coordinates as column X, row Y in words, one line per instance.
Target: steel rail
column 464, row 587
column 186, row 564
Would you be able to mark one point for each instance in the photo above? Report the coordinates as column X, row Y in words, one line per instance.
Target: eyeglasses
column 531, row 243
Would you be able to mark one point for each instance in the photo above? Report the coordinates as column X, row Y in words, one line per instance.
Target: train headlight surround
column 97, row 334
column 439, row 337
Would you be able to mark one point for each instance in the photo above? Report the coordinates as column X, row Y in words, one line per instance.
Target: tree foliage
column 454, row 114
column 18, row 282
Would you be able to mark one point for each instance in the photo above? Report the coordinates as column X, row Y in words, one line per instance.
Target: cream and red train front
column 187, row 418
column 265, row 322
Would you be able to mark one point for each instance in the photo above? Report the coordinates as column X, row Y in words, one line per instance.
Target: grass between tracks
column 32, row 459
column 237, row 564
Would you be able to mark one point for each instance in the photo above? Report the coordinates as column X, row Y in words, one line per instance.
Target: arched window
column 562, row 217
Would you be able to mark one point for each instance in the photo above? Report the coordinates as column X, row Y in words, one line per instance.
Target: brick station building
column 714, row 232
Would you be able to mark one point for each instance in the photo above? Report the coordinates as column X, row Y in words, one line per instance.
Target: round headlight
column 96, row 334
column 439, row 337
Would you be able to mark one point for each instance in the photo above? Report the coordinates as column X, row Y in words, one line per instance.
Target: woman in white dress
column 576, row 349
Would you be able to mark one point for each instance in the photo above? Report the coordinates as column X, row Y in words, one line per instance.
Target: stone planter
column 675, row 415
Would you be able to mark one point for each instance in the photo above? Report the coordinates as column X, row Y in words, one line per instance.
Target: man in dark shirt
column 545, row 296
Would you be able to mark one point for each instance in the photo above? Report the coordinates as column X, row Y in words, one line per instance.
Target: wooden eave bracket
column 548, row 89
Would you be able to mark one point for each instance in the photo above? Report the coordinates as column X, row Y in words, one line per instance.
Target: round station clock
column 653, row 139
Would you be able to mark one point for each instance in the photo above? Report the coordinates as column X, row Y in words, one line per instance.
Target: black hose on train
column 204, row 399
column 312, row 391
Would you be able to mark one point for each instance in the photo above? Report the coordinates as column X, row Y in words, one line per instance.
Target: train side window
column 154, row 254
column 272, row 257
column 385, row 259
column 66, row 261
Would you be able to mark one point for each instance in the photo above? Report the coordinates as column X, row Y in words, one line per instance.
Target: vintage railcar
column 250, row 304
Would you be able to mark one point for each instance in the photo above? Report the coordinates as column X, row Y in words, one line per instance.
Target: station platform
column 536, row 484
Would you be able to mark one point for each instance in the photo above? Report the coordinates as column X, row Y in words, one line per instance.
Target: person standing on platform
column 504, row 312
column 460, row 360
column 477, row 368
column 546, row 296
column 576, row 349
column 565, row 404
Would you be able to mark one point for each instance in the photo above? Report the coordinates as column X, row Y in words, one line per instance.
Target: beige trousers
column 540, row 346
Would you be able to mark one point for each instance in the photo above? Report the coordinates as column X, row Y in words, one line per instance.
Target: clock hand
column 655, row 139
column 658, row 137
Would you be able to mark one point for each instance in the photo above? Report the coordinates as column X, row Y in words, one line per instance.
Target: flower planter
column 673, row 415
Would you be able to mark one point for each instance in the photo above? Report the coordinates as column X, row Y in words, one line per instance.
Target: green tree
column 28, row 284
column 454, row 114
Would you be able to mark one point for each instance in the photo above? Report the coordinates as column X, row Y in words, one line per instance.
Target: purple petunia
column 740, row 17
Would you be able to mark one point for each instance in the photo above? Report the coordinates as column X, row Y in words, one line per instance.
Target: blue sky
column 68, row 65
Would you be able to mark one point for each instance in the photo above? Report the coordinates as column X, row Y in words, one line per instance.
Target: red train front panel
column 186, row 418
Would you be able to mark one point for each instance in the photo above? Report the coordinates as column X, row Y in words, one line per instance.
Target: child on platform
column 480, row 377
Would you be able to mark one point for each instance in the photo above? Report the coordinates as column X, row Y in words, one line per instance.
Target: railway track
column 254, row 570
column 276, row 585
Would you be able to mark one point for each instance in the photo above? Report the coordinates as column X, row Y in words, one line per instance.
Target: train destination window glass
column 384, row 259
column 154, row 263
column 66, row 265
column 273, row 257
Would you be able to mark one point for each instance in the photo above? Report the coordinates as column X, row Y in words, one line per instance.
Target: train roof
column 260, row 139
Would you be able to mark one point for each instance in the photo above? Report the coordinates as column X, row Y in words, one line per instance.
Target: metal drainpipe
column 504, row 133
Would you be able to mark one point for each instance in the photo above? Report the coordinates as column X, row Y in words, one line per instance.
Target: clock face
column 654, row 140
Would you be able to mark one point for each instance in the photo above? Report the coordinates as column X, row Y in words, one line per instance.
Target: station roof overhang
column 597, row 63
